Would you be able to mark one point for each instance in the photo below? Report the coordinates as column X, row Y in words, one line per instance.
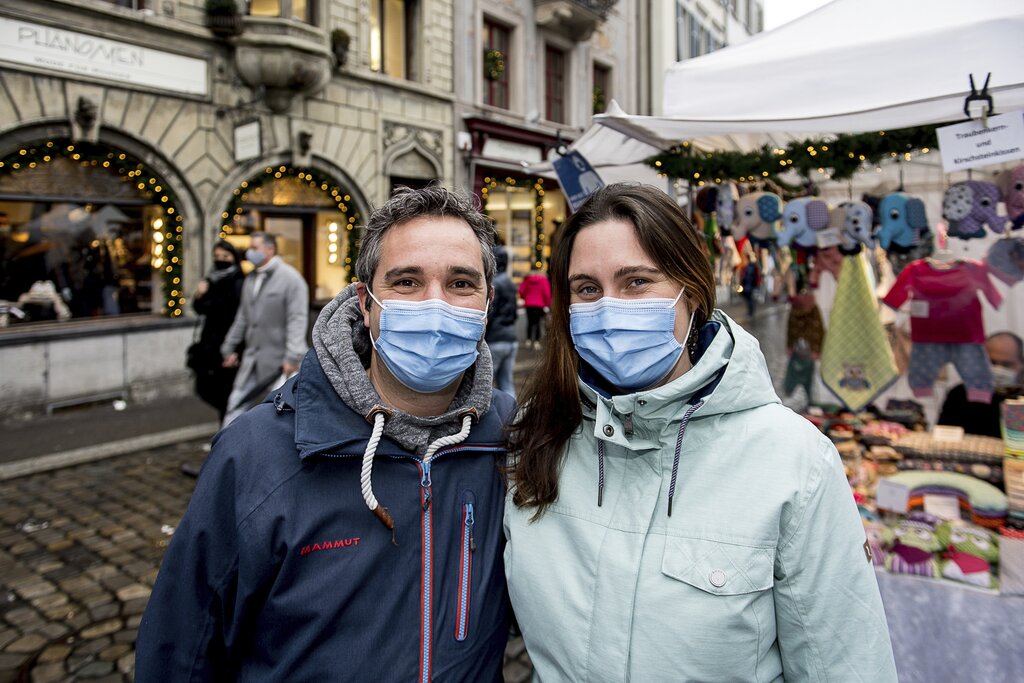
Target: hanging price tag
column 918, row 308
column 829, row 238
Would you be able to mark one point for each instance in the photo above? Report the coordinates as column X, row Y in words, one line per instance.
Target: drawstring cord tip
column 669, row 507
column 387, row 520
column 600, row 497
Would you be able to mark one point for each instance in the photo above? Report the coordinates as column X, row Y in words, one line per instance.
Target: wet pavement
column 80, row 548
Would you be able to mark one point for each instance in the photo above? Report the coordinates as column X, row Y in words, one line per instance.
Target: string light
column 127, row 168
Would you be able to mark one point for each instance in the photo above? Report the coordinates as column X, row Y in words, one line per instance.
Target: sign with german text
column 973, row 143
column 577, row 178
column 80, row 54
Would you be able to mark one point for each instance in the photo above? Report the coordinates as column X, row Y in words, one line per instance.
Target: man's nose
column 434, row 290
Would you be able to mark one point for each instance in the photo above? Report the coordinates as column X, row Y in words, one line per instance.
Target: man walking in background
column 501, row 325
column 271, row 321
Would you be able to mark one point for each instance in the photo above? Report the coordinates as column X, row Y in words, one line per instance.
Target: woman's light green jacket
column 760, row 573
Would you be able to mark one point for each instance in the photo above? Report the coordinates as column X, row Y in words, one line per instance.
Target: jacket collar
column 326, row 426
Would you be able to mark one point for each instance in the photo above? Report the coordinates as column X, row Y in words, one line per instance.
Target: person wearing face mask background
column 267, row 340
column 1005, row 352
column 216, row 299
column 349, row 528
column 668, row 518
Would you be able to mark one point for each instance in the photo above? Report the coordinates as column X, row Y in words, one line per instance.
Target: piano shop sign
column 81, row 54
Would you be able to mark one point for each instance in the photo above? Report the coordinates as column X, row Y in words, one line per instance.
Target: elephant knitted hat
column 971, row 205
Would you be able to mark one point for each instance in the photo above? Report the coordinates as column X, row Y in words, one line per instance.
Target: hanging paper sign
column 972, row 144
column 943, row 507
column 247, row 141
column 577, row 177
column 892, row 496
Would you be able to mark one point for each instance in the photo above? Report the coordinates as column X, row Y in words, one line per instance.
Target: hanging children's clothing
column 945, row 315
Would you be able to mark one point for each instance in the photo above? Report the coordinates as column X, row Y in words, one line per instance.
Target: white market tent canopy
column 850, row 66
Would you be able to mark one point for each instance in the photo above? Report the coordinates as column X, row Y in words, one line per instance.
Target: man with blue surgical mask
column 349, row 528
column 267, row 339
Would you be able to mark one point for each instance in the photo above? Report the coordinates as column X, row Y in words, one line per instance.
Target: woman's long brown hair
column 551, row 399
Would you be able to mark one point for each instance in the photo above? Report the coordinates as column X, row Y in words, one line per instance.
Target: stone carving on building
column 412, row 147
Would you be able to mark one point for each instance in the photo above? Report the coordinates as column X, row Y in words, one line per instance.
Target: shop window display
column 527, row 217
column 311, row 217
column 82, row 237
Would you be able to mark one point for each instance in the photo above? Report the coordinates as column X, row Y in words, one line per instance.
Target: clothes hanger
column 943, row 256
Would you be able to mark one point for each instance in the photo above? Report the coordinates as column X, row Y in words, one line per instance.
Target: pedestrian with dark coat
column 216, row 299
column 501, row 325
column 349, row 527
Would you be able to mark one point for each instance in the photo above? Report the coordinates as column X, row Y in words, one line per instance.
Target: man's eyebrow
column 402, row 270
column 467, row 271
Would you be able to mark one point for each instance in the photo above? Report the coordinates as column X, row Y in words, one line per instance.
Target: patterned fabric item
column 1013, row 469
column 1012, row 425
column 805, row 323
column 1011, row 561
column 971, row 553
column 970, row 360
column 993, row 474
column 1012, row 182
column 916, row 545
column 970, row 205
column 1005, row 260
column 972, row 448
column 856, row 362
column 944, row 307
column 986, row 503
column 904, row 221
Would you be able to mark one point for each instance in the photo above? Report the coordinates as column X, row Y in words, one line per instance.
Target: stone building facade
column 134, row 133
column 530, row 75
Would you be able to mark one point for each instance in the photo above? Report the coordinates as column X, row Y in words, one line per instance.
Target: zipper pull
column 425, row 483
column 470, row 520
column 627, row 424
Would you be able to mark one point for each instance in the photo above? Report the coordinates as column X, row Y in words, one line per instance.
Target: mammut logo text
column 329, row 545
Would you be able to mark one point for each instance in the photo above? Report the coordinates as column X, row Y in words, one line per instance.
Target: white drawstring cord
column 450, row 440
column 371, row 449
column 364, row 476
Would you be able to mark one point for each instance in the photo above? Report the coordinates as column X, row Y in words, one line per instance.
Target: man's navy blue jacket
column 279, row 572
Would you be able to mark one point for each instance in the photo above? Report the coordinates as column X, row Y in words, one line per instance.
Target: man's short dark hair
column 267, row 238
column 408, row 203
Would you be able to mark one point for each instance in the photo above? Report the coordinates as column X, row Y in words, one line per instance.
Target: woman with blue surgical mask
column 668, row 518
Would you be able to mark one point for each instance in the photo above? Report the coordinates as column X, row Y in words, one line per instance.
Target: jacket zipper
column 465, row 572
column 426, row 587
column 426, row 591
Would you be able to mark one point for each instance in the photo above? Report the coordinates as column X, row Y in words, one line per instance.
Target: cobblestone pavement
column 80, row 548
column 79, row 552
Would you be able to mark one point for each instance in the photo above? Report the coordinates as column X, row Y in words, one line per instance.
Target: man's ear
column 363, row 303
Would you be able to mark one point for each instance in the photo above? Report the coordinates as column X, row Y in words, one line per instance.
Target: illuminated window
column 300, row 10
column 393, row 41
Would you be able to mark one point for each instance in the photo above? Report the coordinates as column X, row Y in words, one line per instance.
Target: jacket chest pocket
column 722, row 601
column 720, row 569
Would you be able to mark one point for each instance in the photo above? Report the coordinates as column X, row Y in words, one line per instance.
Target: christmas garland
column 538, row 217
column 494, row 64
column 168, row 236
column 315, row 179
column 838, row 157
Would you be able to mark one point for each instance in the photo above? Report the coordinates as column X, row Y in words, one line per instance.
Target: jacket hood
column 729, row 376
column 342, row 346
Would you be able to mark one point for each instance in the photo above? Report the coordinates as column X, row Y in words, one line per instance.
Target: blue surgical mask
column 629, row 342
column 428, row 344
column 255, row 257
